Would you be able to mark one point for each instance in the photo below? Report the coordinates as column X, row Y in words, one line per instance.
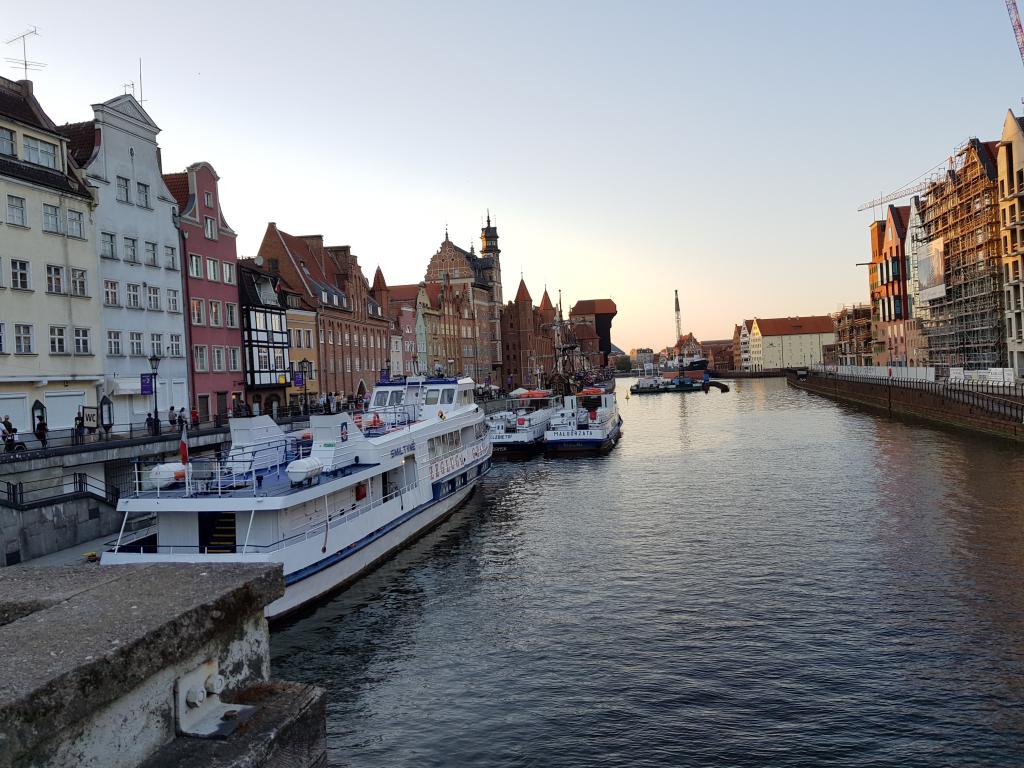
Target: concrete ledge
column 76, row 643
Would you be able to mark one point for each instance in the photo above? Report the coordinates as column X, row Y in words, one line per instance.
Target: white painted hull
column 347, row 570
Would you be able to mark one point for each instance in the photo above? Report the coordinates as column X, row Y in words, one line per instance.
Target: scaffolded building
column 853, row 335
column 964, row 325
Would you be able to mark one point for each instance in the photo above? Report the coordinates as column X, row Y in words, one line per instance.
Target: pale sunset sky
column 625, row 148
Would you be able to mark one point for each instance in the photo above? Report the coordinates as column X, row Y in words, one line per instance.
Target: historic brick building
column 211, row 291
column 599, row 313
column 354, row 334
column 471, row 298
column 528, row 340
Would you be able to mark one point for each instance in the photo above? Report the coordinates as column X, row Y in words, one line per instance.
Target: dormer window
column 6, row 142
column 40, row 152
column 323, row 296
column 335, row 299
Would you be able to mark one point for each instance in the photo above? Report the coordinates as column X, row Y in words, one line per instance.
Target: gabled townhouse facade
column 211, row 292
column 137, row 248
column 888, row 285
column 266, row 354
column 50, row 328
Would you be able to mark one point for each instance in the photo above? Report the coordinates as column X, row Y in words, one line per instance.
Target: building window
column 110, row 293
column 212, row 273
column 234, row 359
column 231, row 315
column 172, row 300
column 131, row 246
column 229, row 273
column 76, row 224
column 135, row 343
column 151, row 254
column 54, row 279
column 143, row 191
column 108, row 245
column 122, row 189
column 199, row 357
column 51, row 219
column 195, row 265
column 16, row 211
column 83, row 346
column 6, row 142
column 58, row 344
column 263, row 359
column 309, row 339
column 278, row 360
column 171, row 257
column 156, row 343
column 114, row 343
column 208, row 199
column 20, row 276
column 153, row 297
column 79, row 283
column 134, row 293
column 39, row 152
column 174, row 347
column 23, row 339
column 215, row 316
column 210, row 228
column 330, row 335
column 218, row 358
column 198, row 311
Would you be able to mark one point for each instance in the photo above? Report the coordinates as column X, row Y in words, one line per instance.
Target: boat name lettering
column 409, row 448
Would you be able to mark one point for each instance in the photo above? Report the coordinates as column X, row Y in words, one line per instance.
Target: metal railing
column 33, row 493
column 995, row 400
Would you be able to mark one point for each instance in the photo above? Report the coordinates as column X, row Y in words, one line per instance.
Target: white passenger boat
column 520, row 428
column 366, row 486
column 587, row 422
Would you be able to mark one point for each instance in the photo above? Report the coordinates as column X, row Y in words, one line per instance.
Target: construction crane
column 1018, row 31
column 914, row 188
column 679, row 319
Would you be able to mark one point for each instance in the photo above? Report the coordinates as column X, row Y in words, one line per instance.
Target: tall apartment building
column 211, row 291
column 49, row 279
column 888, row 282
column 962, row 284
column 139, row 262
column 1011, row 227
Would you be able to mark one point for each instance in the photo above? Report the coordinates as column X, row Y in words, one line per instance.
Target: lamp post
column 306, row 368
column 154, row 364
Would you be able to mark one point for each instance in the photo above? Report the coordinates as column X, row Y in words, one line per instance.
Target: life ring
column 520, row 421
column 593, row 415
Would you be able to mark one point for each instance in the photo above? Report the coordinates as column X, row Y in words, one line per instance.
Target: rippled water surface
column 755, row 578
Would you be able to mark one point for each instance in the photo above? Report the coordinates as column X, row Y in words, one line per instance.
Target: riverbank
column 936, row 403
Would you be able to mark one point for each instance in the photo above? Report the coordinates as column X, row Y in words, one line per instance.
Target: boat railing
column 378, row 421
column 483, row 440
column 314, row 529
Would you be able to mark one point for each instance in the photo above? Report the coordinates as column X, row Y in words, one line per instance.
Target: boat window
column 432, row 396
column 380, row 398
column 447, row 396
column 396, row 397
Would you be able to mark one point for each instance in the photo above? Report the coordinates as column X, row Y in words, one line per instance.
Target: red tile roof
column 378, row 281
column 794, row 326
column 523, row 294
column 594, row 307
column 545, row 301
column 404, row 292
column 177, row 183
column 81, row 140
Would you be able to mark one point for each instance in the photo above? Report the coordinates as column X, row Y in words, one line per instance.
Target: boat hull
column 576, row 442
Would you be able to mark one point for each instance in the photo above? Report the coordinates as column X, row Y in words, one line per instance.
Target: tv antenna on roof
column 24, row 62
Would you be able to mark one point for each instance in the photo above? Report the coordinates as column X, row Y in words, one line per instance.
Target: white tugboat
column 519, row 430
column 365, row 487
column 587, row 422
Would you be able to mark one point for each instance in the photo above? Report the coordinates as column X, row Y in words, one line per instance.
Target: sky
column 625, row 149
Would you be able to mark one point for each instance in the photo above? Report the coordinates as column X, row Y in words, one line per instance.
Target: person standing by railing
column 41, row 431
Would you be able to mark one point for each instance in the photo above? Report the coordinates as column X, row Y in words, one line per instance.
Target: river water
column 762, row 577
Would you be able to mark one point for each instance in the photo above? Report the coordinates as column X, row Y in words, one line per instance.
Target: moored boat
column 587, row 422
column 519, row 429
column 365, row 487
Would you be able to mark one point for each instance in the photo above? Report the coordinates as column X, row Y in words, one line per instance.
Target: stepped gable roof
column 81, row 140
column 794, row 326
column 545, row 301
column 523, row 294
column 177, row 183
column 594, row 307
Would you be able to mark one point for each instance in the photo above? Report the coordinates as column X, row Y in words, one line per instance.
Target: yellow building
column 50, row 290
column 303, row 348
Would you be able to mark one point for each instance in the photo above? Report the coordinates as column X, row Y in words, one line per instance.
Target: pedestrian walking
column 78, row 433
column 151, row 424
column 8, row 427
column 181, row 418
column 41, row 431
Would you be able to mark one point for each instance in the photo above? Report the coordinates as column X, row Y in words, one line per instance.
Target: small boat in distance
column 650, row 383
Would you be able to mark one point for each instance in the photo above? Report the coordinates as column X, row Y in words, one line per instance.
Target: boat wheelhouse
column 363, row 487
column 587, row 422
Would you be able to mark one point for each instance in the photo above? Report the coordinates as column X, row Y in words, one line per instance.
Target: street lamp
column 154, row 364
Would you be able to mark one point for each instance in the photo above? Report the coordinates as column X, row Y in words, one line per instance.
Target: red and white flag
column 183, row 446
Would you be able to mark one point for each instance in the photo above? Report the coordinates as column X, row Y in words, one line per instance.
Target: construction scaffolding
column 964, row 327
column 853, row 335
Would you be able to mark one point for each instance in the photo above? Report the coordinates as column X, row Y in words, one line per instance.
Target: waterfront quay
column 763, row 577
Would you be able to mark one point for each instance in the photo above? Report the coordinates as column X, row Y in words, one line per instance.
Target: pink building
column 211, row 292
